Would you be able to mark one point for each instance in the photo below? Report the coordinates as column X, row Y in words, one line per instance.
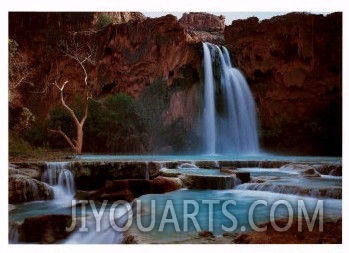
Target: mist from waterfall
column 229, row 113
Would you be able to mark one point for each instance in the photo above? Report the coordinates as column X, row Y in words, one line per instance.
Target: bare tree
column 81, row 54
column 75, row 144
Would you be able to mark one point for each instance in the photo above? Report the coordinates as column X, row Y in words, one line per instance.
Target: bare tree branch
column 59, row 131
column 71, row 112
column 82, row 54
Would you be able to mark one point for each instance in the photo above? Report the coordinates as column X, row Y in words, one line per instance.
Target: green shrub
column 153, row 100
column 18, row 146
column 114, row 125
column 103, row 21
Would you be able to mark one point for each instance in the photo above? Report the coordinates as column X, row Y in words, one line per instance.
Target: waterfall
column 60, row 178
column 13, row 235
column 229, row 117
column 146, row 170
column 325, row 192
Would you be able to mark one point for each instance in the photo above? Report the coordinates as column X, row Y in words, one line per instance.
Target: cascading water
column 229, row 117
column 146, row 171
column 60, row 178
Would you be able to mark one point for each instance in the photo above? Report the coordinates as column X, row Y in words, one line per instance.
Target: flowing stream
column 181, row 214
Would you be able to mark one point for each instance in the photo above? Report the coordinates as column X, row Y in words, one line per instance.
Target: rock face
column 24, row 188
column 202, row 26
column 137, row 53
column 118, row 17
column 293, row 65
column 128, row 55
column 203, row 22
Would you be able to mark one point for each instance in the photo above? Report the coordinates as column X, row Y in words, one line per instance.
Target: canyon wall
column 129, row 54
column 293, row 64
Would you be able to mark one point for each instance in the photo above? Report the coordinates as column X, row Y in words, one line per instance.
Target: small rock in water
column 245, row 177
column 229, row 234
column 129, row 239
column 228, row 170
column 206, row 233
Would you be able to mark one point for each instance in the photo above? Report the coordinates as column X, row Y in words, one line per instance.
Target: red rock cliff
column 129, row 55
column 201, row 26
column 294, row 67
column 199, row 21
column 137, row 53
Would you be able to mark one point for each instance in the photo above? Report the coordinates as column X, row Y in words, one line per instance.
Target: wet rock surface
column 129, row 189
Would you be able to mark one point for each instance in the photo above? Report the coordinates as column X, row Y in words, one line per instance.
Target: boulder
column 46, row 228
column 244, row 177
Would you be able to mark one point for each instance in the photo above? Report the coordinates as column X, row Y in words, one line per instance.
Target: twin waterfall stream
column 61, row 179
column 229, row 120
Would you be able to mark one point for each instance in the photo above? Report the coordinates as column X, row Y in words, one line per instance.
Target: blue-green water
column 239, row 205
column 188, row 211
column 261, row 157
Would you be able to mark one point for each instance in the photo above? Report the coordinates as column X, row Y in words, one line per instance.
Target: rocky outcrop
column 293, row 64
column 129, row 189
column 201, row 26
column 24, row 188
column 45, row 229
column 201, row 21
column 93, row 175
column 33, row 171
column 117, row 17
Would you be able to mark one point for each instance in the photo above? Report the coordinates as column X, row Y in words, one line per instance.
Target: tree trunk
column 79, row 139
